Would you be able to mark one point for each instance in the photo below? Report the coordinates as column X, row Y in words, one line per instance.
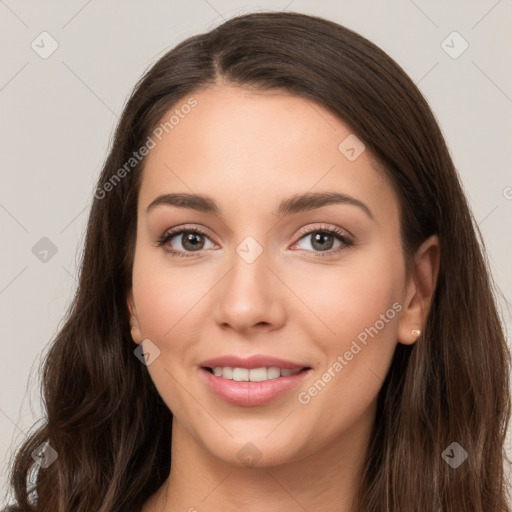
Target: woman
column 333, row 345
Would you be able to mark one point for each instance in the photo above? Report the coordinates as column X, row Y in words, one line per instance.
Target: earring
column 415, row 333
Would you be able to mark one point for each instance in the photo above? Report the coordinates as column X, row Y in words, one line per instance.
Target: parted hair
column 102, row 413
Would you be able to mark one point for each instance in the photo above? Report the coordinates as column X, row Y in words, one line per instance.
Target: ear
column 420, row 289
column 134, row 321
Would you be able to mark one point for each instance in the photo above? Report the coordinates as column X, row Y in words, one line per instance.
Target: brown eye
column 325, row 241
column 322, row 241
column 192, row 241
column 184, row 242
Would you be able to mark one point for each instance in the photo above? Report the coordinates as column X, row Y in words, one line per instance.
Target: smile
column 253, row 374
column 252, row 387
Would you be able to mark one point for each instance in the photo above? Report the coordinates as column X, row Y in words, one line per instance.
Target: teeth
column 273, row 373
column 227, row 373
column 254, row 374
column 240, row 374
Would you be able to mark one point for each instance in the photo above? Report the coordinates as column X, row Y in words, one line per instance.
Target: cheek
column 165, row 300
column 365, row 298
column 360, row 304
column 167, row 308
column 351, row 297
column 165, row 296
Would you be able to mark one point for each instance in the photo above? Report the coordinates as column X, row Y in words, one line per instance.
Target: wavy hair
column 103, row 414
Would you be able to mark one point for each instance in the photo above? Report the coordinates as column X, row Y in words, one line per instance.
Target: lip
column 251, row 394
column 255, row 361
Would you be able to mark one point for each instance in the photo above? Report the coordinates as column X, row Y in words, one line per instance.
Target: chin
column 257, row 450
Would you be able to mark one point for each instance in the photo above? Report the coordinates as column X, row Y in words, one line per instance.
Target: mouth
column 261, row 374
column 253, row 381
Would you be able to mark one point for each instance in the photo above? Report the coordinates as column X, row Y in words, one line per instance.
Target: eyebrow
column 289, row 206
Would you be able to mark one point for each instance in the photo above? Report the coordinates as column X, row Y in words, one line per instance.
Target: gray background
column 58, row 115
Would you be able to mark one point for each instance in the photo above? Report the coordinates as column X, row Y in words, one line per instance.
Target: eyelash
column 342, row 237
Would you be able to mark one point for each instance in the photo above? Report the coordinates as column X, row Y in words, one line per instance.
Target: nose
column 250, row 295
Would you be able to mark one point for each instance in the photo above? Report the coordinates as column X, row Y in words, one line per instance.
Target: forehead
column 248, row 147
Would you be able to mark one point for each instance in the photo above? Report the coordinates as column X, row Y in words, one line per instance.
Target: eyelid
column 173, row 232
column 325, row 227
column 194, row 228
column 346, row 239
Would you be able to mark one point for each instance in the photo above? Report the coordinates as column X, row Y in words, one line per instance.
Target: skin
column 249, row 150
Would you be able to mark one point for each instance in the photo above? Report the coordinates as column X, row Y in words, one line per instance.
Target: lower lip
column 250, row 394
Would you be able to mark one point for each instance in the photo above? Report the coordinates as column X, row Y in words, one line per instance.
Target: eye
column 184, row 242
column 323, row 240
column 187, row 241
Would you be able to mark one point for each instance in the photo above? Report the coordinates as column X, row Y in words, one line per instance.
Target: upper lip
column 254, row 361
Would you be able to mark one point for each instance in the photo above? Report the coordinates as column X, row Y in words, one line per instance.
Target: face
column 254, row 276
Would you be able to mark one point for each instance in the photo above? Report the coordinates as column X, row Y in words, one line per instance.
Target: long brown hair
column 104, row 417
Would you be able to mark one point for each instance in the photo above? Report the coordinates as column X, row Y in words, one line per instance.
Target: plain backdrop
column 58, row 113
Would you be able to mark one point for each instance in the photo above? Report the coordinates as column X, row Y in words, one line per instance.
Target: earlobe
column 420, row 291
column 134, row 322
